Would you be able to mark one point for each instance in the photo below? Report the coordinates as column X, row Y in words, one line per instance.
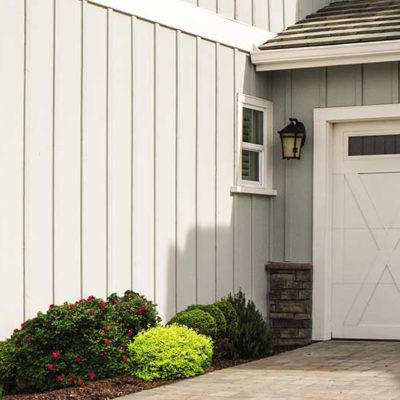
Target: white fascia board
column 188, row 18
column 323, row 56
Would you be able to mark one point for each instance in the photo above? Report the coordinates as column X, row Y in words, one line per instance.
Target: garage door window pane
column 374, row 145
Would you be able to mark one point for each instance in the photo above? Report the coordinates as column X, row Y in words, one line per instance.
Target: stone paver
column 345, row 370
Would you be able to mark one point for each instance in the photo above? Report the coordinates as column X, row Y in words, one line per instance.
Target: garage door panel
column 360, row 251
column 377, row 187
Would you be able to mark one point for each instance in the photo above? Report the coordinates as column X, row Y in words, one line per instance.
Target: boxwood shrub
column 168, row 352
column 231, row 317
column 216, row 313
column 200, row 321
column 72, row 344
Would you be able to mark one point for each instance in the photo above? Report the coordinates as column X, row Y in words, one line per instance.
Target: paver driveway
column 327, row 370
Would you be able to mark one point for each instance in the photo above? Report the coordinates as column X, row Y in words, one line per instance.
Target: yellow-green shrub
column 168, row 352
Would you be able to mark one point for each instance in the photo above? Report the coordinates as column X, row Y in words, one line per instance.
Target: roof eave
column 324, row 56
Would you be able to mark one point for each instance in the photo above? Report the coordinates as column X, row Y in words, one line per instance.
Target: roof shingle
column 342, row 22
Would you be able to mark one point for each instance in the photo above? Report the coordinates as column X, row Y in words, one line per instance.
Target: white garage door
column 366, row 230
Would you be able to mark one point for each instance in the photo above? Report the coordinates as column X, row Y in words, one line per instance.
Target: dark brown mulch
column 110, row 388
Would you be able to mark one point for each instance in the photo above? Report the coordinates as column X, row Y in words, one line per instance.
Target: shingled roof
column 342, row 22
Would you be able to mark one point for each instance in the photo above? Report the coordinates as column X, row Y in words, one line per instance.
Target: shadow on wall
column 210, row 262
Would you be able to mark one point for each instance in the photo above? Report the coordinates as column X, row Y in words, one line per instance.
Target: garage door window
column 372, row 145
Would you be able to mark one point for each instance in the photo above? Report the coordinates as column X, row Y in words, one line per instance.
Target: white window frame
column 264, row 186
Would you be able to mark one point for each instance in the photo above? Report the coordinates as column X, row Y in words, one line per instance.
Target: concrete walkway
column 323, row 371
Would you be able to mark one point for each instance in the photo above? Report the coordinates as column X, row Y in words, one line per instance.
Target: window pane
column 250, row 166
column 374, row 145
column 253, row 122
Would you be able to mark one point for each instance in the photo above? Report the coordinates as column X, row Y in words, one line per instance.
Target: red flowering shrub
column 73, row 344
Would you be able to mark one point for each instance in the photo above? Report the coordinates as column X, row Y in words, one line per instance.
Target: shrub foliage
column 252, row 338
column 7, row 369
column 168, row 352
column 72, row 344
column 216, row 313
column 231, row 317
column 200, row 321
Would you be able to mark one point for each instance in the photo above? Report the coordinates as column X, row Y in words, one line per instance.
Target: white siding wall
column 117, row 157
column 272, row 15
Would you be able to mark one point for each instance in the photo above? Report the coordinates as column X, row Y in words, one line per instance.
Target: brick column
column 290, row 304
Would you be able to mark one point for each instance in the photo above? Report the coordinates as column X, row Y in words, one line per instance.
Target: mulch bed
column 110, row 388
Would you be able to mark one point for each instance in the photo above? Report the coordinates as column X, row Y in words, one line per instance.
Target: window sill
column 250, row 190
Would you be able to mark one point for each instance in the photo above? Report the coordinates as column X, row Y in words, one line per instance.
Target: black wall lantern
column 293, row 138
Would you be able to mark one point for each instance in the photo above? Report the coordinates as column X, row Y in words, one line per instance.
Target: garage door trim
column 324, row 118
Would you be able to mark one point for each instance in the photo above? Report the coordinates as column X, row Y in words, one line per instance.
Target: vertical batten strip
column 177, row 35
column 235, row 126
column 198, row 39
column 132, row 216
column 156, row 38
column 288, row 173
column 83, row 7
column 24, row 172
column 109, row 11
column 217, row 47
column 53, row 167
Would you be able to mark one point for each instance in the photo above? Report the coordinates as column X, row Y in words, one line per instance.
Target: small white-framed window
column 253, row 158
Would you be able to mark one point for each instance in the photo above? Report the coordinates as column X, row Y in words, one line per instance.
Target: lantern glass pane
column 291, row 146
column 253, row 121
column 250, row 166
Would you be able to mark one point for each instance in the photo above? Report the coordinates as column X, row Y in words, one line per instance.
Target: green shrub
column 216, row 313
column 168, row 353
column 7, row 369
column 201, row 321
column 231, row 317
column 72, row 344
column 252, row 339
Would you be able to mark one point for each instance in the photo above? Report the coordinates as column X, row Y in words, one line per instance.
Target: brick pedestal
column 290, row 304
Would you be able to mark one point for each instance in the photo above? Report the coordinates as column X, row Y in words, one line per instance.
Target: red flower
column 50, row 367
column 51, row 306
column 55, row 355
column 79, row 382
column 28, row 339
column 102, row 304
column 91, row 375
column 142, row 309
column 15, row 330
column 69, row 381
column 107, row 342
column 72, row 307
column 23, row 325
column 125, row 359
column 90, row 299
column 131, row 332
column 135, row 311
column 78, row 359
column 59, row 378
